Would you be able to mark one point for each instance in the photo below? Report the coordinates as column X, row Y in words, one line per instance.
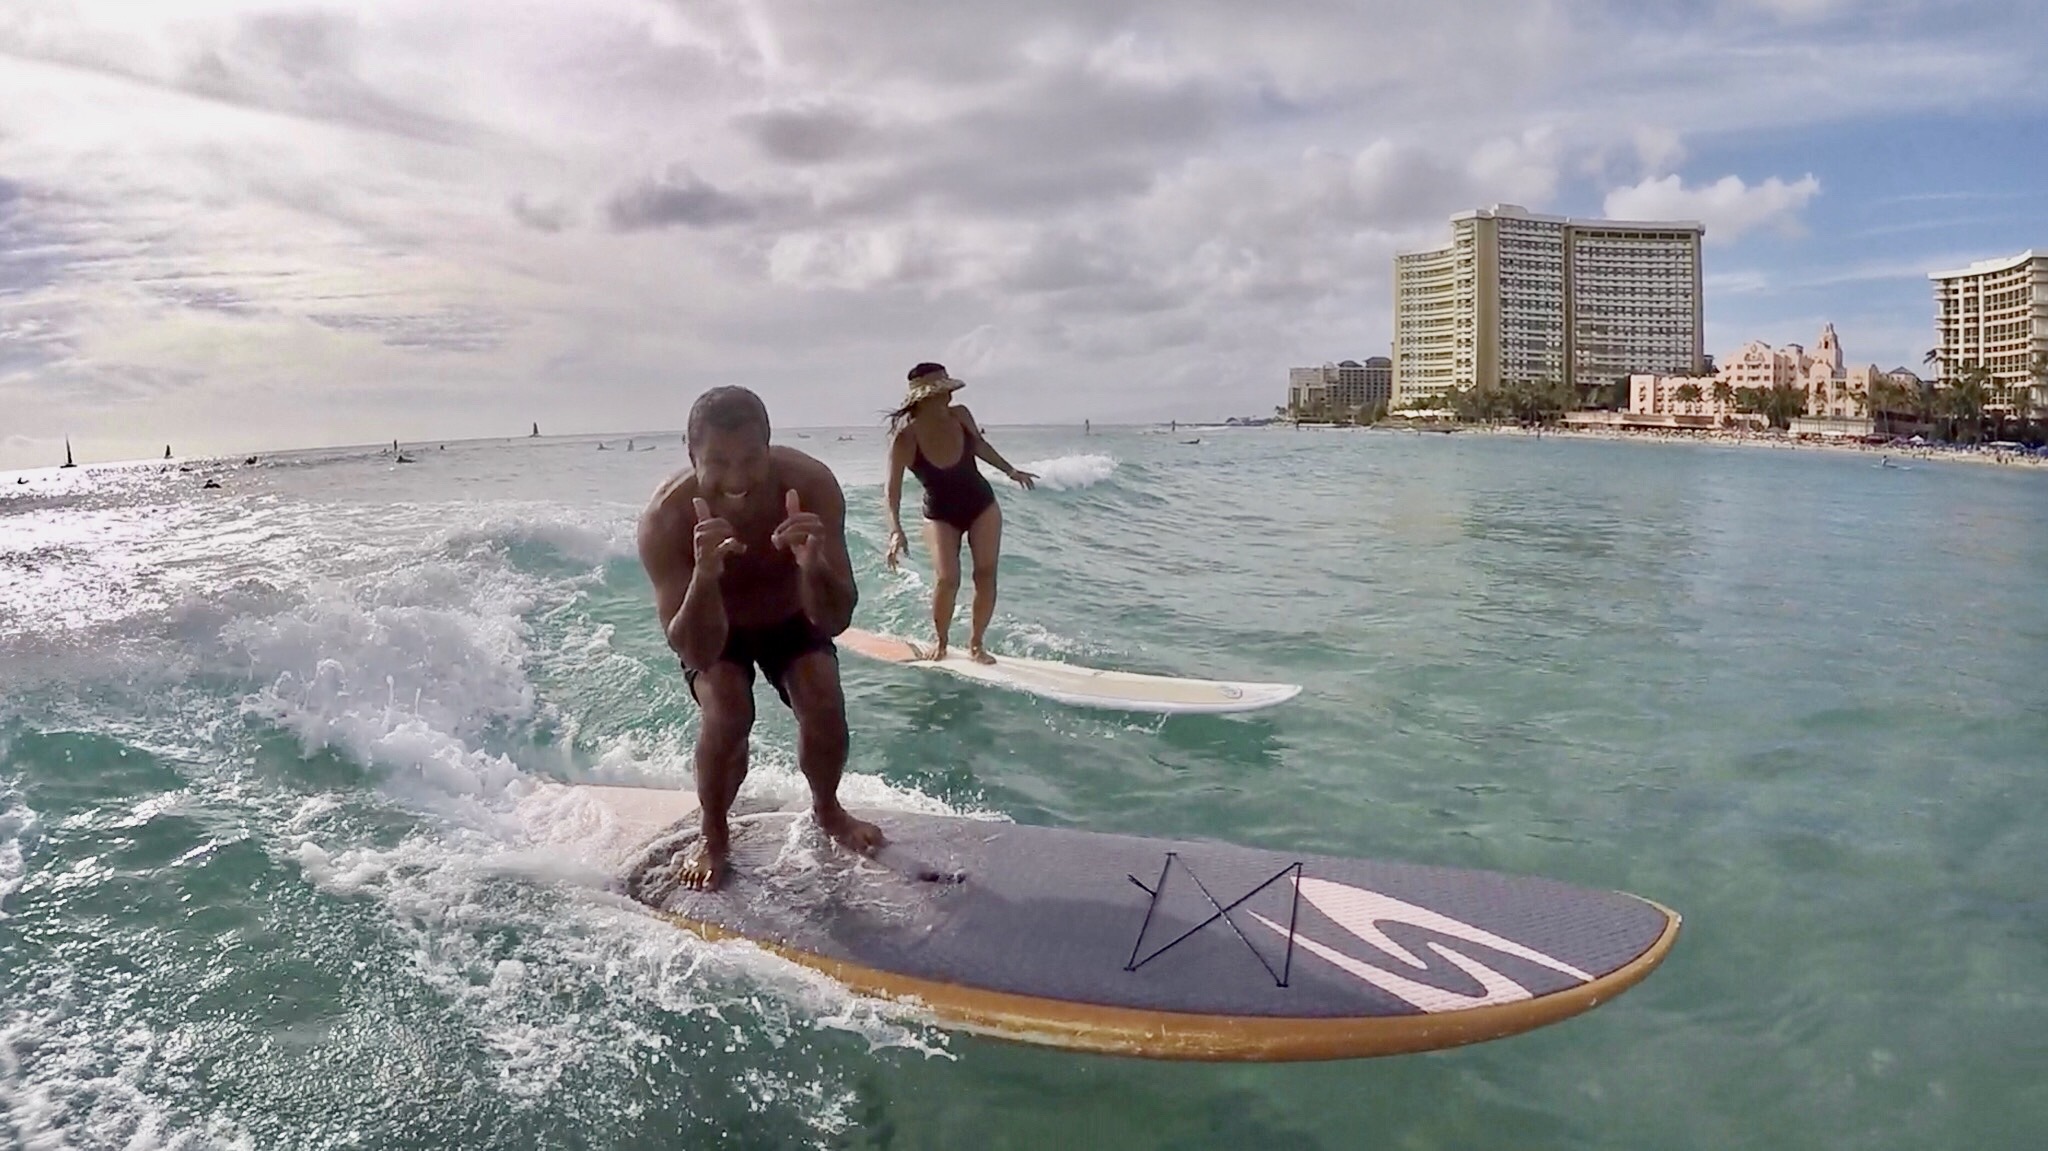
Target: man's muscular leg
column 812, row 682
column 725, row 694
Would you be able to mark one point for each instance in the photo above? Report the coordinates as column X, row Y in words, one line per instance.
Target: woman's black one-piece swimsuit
column 956, row 495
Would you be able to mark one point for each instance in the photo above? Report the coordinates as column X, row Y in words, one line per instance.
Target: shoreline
column 1943, row 453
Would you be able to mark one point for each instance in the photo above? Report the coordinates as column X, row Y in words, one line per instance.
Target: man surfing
column 747, row 553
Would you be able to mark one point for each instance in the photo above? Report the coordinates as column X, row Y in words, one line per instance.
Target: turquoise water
column 266, row 878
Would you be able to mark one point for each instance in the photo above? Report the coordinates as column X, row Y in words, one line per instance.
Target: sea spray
column 1070, row 473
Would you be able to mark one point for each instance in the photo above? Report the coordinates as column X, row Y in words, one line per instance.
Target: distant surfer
column 747, row 553
column 958, row 501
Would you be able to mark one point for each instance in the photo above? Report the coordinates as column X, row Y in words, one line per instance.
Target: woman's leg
column 985, row 542
column 944, row 541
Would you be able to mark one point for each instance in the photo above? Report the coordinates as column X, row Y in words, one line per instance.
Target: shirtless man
column 747, row 554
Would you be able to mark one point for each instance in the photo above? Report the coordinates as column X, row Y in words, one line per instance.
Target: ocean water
column 270, row 874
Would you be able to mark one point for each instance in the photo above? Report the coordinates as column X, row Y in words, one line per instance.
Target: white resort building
column 1994, row 314
column 1517, row 297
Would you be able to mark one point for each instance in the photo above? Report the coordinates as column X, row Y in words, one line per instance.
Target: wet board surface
column 1151, row 947
column 1081, row 686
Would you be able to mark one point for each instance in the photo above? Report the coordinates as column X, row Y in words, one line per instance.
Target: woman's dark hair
column 901, row 415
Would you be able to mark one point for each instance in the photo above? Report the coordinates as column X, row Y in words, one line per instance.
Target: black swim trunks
column 773, row 647
column 956, row 495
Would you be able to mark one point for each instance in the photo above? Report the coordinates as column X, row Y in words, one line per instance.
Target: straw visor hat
column 928, row 380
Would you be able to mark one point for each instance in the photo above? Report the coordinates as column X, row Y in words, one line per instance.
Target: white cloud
column 1658, row 149
column 579, row 212
column 1728, row 206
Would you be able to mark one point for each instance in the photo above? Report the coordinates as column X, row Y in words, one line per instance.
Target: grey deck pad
column 1073, row 915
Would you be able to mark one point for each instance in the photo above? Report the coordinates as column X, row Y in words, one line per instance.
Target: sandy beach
column 1980, row 454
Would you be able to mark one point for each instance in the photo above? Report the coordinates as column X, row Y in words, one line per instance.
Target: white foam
column 450, row 898
column 1035, row 640
column 402, row 675
column 569, row 531
column 1069, row 473
column 399, row 640
column 65, row 1082
column 410, row 675
column 17, row 834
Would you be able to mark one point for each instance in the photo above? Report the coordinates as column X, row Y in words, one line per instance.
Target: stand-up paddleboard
column 1081, row 686
column 1136, row 946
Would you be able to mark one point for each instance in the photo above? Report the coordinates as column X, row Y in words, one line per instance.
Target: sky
column 230, row 226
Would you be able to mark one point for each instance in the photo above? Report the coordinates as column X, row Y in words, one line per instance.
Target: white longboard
column 1081, row 686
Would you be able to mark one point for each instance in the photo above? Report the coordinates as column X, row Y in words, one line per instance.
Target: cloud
column 301, row 64
column 1793, row 11
column 805, row 133
column 1658, row 149
column 680, row 198
column 1728, row 207
column 540, row 215
column 1161, row 203
column 449, row 330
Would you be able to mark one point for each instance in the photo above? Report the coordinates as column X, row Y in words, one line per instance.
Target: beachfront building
column 1366, row 385
column 1342, row 388
column 1518, row 297
column 1994, row 314
column 1834, row 392
column 1308, row 389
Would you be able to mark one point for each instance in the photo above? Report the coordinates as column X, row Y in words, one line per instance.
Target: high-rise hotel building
column 1520, row 297
column 1994, row 314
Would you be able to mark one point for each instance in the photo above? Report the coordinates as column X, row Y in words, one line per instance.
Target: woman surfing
column 928, row 427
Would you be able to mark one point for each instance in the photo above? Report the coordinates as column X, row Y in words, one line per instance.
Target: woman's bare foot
column 980, row 654
column 932, row 652
column 852, row 834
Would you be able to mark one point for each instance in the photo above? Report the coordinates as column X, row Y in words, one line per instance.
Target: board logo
column 1361, row 912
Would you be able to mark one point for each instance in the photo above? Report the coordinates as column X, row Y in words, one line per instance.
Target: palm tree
column 1778, row 404
column 1964, row 399
column 2027, row 405
column 1933, row 360
column 1687, row 394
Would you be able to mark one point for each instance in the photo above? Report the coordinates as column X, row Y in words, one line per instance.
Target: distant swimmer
column 958, row 501
column 746, row 549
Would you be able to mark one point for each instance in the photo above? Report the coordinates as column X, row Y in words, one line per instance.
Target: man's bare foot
column 852, row 834
column 980, row 654
column 931, row 652
column 706, row 868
